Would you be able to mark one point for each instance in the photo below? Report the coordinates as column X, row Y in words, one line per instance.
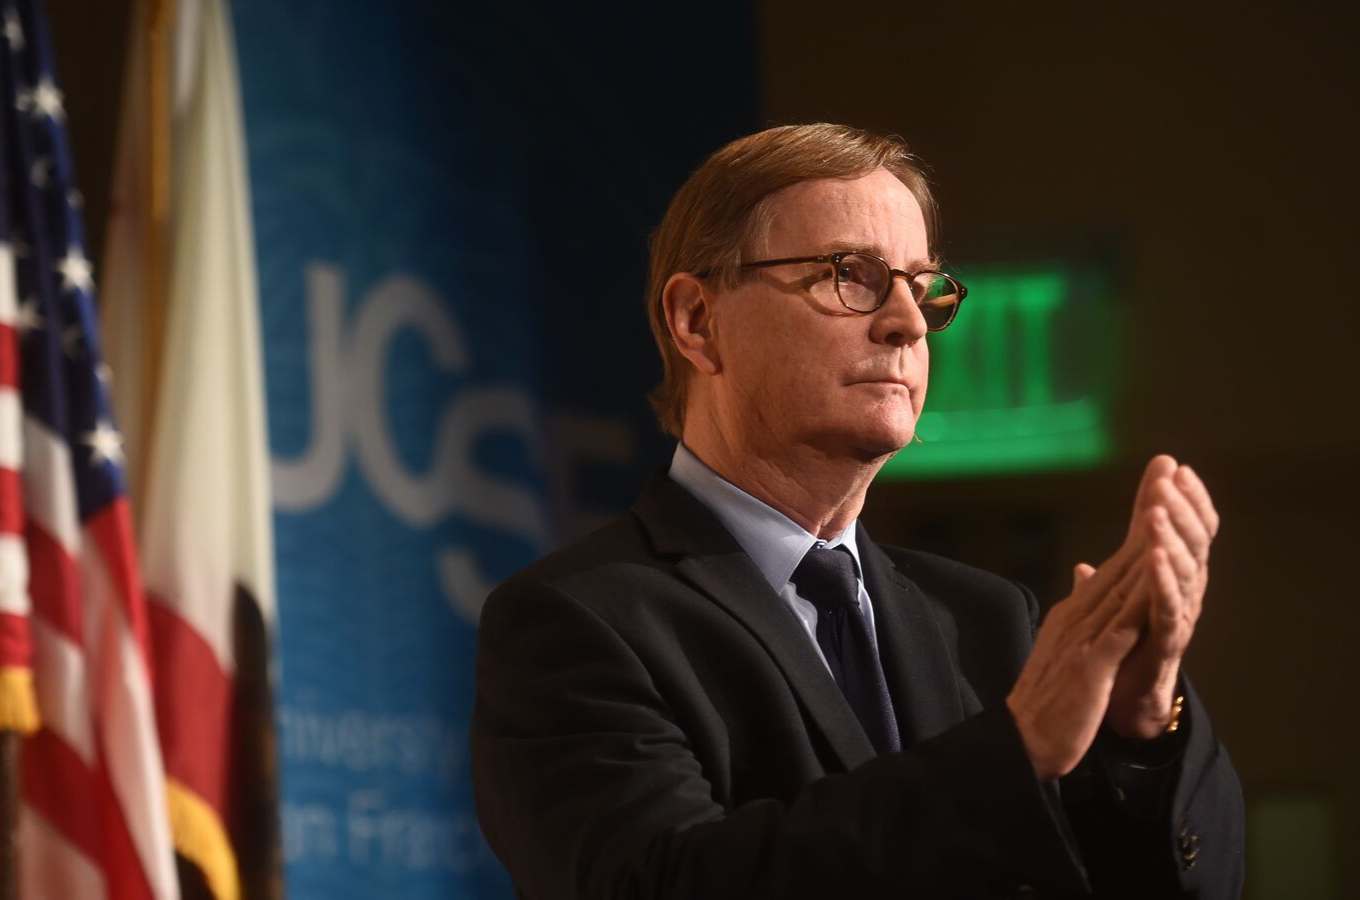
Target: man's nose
column 899, row 321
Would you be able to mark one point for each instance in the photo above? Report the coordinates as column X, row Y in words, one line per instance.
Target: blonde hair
column 714, row 217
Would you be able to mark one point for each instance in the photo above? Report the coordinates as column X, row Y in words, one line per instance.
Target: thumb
column 1081, row 572
column 1161, row 466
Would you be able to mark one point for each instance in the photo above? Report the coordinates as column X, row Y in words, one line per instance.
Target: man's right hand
column 1062, row 693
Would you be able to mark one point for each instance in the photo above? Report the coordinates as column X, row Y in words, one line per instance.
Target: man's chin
column 880, row 447
column 867, row 440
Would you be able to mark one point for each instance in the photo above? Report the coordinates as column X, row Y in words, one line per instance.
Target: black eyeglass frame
column 834, row 259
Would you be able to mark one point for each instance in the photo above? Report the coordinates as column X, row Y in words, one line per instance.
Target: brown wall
column 89, row 42
column 1221, row 146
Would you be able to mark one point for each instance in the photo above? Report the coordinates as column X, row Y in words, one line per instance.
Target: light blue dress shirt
column 776, row 543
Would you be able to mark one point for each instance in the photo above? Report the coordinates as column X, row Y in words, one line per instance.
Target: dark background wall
column 1219, row 145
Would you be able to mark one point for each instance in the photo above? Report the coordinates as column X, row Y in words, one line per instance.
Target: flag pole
column 159, row 23
column 9, row 814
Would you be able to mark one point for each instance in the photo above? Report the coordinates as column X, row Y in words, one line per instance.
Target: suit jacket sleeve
column 1169, row 825
column 586, row 786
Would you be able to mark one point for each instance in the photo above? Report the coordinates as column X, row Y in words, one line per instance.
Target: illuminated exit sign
column 1022, row 380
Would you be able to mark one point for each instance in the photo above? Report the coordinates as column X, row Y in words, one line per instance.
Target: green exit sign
column 1022, row 380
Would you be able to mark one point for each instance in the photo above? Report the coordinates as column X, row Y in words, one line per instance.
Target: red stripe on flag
column 121, row 864
column 59, row 786
column 80, row 804
column 111, row 529
column 9, row 356
column 54, row 584
column 16, row 645
column 193, row 708
column 11, row 510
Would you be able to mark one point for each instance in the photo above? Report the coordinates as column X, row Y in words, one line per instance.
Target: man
column 733, row 692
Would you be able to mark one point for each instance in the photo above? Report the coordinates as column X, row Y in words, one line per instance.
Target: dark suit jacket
column 652, row 721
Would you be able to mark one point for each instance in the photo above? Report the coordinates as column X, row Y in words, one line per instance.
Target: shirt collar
column 776, row 543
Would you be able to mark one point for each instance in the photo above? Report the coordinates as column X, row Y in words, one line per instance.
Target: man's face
column 799, row 370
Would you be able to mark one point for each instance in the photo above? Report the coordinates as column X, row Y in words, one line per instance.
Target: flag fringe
column 18, row 703
column 200, row 838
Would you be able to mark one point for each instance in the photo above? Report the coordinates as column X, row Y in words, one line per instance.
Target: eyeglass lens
column 864, row 282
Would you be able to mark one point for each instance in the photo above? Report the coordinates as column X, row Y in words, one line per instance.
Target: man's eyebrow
column 920, row 265
column 912, row 265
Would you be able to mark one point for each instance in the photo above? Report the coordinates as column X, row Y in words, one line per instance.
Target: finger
column 1165, row 617
column 1160, row 466
column 1184, row 518
column 1194, row 597
column 1081, row 572
column 1194, row 490
column 1173, row 544
column 1118, row 634
column 1115, row 598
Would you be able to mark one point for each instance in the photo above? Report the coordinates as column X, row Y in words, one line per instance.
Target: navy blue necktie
column 826, row 578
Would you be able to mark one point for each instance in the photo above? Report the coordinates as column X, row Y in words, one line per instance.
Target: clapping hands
column 1111, row 650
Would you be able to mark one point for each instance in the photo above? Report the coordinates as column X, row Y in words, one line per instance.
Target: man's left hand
column 1145, row 685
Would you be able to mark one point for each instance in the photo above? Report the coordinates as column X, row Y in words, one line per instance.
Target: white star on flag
column 14, row 30
column 105, row 443
column 28, row 319
column 75, row 270
column 46, row 100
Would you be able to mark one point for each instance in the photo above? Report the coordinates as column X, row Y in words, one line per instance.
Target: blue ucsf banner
column 450, row 207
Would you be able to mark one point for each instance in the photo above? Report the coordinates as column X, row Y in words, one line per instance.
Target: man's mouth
column 893, row 381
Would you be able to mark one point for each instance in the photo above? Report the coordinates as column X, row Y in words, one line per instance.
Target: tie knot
column 826, row 577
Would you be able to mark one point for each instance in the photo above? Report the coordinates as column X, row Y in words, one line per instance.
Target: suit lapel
column 712, row 561
column 922, row 678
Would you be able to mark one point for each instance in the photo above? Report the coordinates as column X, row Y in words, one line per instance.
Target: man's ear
column 688, row 306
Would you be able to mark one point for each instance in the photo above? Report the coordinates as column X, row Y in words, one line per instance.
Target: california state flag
column 188, row 381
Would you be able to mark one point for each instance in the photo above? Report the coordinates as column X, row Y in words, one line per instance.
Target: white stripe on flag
column 11, row 414
column 9, row 307
column 52, row 866
column 63, row 689
column 13, row 575
column 127, row 723
column 49, row 486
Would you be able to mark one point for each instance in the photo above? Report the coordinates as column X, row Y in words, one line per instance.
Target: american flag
column 93, row 821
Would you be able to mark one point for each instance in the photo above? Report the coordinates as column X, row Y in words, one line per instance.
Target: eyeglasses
column 862, row 283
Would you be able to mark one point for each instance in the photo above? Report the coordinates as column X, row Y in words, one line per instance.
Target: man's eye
column 854, row 272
